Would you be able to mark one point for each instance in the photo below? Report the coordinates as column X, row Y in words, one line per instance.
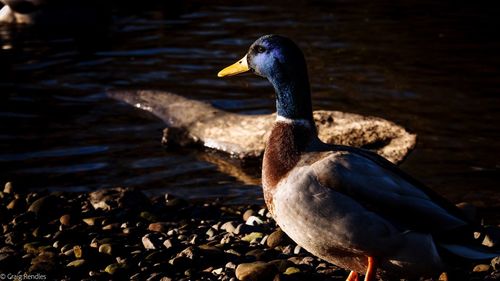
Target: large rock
column 243, row 136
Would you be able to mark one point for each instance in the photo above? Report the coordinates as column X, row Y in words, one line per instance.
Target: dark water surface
column 433, row 68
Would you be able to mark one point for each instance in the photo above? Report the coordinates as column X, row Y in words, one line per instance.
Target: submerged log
column 243, row 136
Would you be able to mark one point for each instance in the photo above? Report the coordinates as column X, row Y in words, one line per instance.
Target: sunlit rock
column 243, row 136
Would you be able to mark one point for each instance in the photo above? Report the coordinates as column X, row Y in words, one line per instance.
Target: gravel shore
column 120, row 234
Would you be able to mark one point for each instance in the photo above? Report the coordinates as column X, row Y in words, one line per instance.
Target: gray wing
column 384, row 191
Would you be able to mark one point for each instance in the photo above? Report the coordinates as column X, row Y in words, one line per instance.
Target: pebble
column 45, row 206
column 291, row 270
column 252, row 237
column 152, row 241
column 182, row 241
column 278, row 238
column 481, row 268
column 66, row 220
column 247, row 214
column 76, row 263
column 495, row 263
column 253, row 220
column 115, row 268
column 255, row 271
column 106, row 249
column 229, row 227
column 8, row 188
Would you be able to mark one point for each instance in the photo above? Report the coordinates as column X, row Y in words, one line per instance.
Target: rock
column 66, row 220
column 152, row 241
column 45, row 207
column 45, row 262
column 8, row 188
column 148, row 216
column 247, row 214
column 107, row 199
column 252, row 237
column 181, row 262
column 245, row 229
column 481, row 268
column 228, row 227
column 76, row 263
column 291, row 270
column 278, row 238
column 168, row 244
column 31, row 248
column 106, row 249
column 469, row 210
column 253, row 220
column 159, row 227
column 214, row 128
column 255, row 271
column 93, row 220
column 115, row 268
column 492, row 237
column 78, row 251
column 281, row 265
column 17, row 205
column 495, row 263
column 297, row 249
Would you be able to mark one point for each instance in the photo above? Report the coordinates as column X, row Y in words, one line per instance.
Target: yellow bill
column 236, row 68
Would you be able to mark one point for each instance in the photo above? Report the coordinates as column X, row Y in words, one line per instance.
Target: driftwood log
column 243, row 136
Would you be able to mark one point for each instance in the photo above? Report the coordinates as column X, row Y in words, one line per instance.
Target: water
column 431, row 67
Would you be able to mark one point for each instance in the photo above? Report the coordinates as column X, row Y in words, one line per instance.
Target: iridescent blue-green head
column 279, row 60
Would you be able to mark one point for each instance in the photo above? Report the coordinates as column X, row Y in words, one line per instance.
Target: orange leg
column 371, row 270
column 353, row 276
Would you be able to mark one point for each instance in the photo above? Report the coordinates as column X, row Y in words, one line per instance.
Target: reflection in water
column 429, row 66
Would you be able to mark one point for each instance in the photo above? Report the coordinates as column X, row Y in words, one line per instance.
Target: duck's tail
column 470, row 252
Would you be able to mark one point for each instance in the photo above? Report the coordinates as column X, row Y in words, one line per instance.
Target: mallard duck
column 347, row 205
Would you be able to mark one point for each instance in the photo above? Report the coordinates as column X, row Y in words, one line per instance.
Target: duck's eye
column 260, row 49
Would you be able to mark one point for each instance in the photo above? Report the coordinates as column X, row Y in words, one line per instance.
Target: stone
column 278, row 238
column 228, row 227
column 481, row 268
column 106, row 249
column 245, row 229
column 127, row 198
column 17, row 205
column 8, row 188
column 492, row 236
column 253, row 220
column 291, row 270
column 115, row 268
column 76, row 263
column 78, row 251
column 281, row 265
column 495, row 263
column 247, row 214
column 66, row 220
column 252, row 237
column 159, row 227
column 221, row 130
column 469, row 210
column 45, row 207
column 152, row 241
column 255, row 271
column 168, row 244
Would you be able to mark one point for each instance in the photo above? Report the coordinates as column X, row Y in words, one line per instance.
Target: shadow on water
column 432, row 67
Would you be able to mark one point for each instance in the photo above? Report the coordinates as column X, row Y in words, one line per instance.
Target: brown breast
column 282, row 153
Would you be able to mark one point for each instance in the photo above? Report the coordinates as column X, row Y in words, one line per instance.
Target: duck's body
column 345, row 205
column 313, row 202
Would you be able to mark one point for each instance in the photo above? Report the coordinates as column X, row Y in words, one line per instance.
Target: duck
column 346, row 205
column 54, row 13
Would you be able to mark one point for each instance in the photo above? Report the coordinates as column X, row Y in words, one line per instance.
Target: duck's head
column 281, row 61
